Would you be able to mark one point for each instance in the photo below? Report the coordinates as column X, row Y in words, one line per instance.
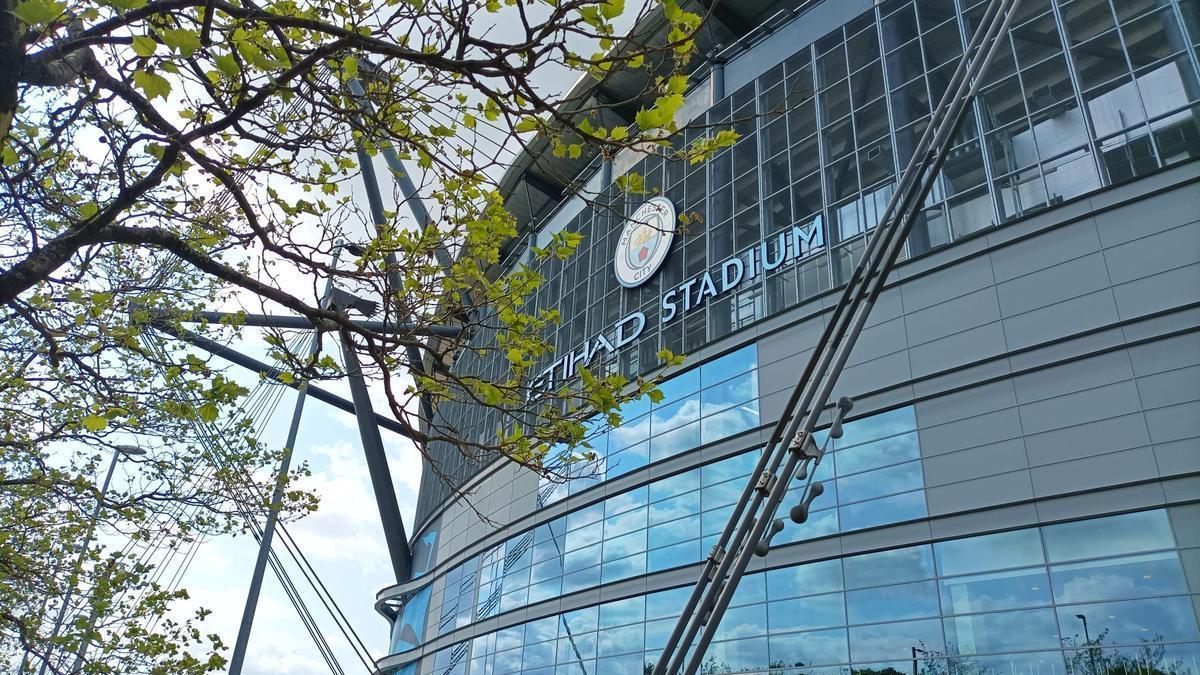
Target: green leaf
column 182, row 39
column 144, row 45
column 287, row 378
column 95, row 423
column 39, row 12
column 88, row 210
column 208, row 412
column 350, row 66
column 228, row 65
column 151, row 84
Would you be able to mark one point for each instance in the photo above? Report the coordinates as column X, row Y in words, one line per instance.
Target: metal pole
column 268, row 533
column 233, row 356
column 87, row 542
column 377, row 466
column 302, row 322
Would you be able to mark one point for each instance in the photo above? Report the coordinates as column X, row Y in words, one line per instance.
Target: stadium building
column 1018, row 488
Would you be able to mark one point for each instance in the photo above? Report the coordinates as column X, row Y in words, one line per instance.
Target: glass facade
column 1083, row 94
column 872, row 476
column 1105, row 595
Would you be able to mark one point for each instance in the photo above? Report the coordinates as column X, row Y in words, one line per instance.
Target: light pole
column 118, row 451
column 1087, row 640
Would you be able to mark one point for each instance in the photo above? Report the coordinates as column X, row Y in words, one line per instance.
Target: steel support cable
column 277, row 567
column 715, row 588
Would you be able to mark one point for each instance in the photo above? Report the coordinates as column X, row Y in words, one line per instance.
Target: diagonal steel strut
column 791, row 444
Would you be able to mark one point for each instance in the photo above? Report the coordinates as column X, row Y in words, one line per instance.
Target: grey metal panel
column 985, row 460
column 1065, row 350
column 1129, row 222
column 889, row 306
column 1037, row 224
column 969, row 433
column 1186, row 488
column 1156, row 253
column 1052, row 285
column 1166, row 354
column 891, row 537
column 1174, row 422
column 946, row 284
column 1045, row 250
column 956, row 350
column 1093, row 472
column 1094, row 310
column 1071, row 377
column 771, row 406
column 1001, row 518
column 1185, row 520
column 782, row 375
column 882, row 372
column 1083, row 440
column 879, row 340
column 961, row 377
column 980, row 492
column 1079, row 407
column 967, row 403
column 953, row 316
column 1178, row 457
column 1165, row 290
column 1113, row 500
column 1191, row 570
column 1171, row 387
column 1174, row 321
column 789, row 341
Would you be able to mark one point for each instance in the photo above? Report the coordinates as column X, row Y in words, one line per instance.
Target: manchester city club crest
column 644, row 242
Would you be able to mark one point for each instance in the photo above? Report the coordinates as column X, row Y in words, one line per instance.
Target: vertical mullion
column 1078, row 93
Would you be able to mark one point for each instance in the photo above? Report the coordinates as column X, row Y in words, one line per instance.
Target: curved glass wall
column 1104, row 596
column 872, row 477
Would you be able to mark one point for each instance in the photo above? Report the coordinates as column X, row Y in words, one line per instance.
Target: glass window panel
column 806, row 194
column 819, row 611
column 538, row 655
column 625, row 501
column 729, row 365
column 1036, row 40
column 894, row 641
column 1130, row 622
column 881, row 482
column 628, row 460
column 624, row 546
column 1071, row 175
column 929, row 231
column 1118, row 578
column 831, row 65
column 1177, row 137
column 943, row 44
column 624, row 568
column 737, row 655
column 876, row 162
column 867, row 85
column 862, row 48
column 997, row 590
column 680, row 483
column 631, row 664
column 910, row 102
column 1152, row 37
column 877, row 453
column 892, row 603
column 575, row 647
column 1113, row 535
column 622, row 612
column 842, row 176
column 621, row 640
column 657, row 632
column 732, row 421
column 713, row 522
column 1046, row 83
column 963, row 169
column 674, row 442
column 751, row 589
column 835, row 102
column 988, row 552
column 839, row 139
column 674, row 415
column 1113, row 107
column 736, row 466
column 741, row 622
column 799, row 78
column 802, row 119
column 1002, row 103
column 889, row 567
column 871, row 123
column 818, row 577
column 899, row 28
column 730, row 393
column 668, row 557
column 934, row 12
column 628, row 433
column 1012, row 148
column 876, row 512
column 971, row 212
column 776, row 175
column 882, row 425
column 585, row 557
column 666, row 603
column 904, row 64
column 1100, row 60
column 722, row 494
column 1168, row 86
column 1086, row 19
column 808, row 649
column 1005, row 631
column 675, row 531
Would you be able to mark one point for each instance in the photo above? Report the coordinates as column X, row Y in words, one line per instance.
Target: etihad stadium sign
column 640, row 254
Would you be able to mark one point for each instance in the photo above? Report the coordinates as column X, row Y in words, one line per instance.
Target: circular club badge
column 644, row 242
